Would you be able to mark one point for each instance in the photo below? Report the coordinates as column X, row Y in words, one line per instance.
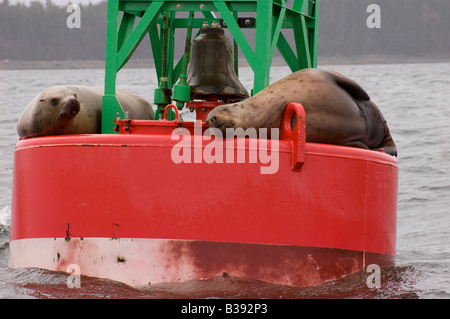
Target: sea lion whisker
column 55, row 121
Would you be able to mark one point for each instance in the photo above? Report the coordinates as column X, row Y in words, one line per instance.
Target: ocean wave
column 5, row 216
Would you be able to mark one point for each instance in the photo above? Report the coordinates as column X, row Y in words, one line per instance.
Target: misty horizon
column 408, row 29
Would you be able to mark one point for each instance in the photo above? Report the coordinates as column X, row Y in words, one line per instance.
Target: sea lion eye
column 54, row 101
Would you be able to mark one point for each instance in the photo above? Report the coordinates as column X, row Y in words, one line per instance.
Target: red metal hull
column 300, row 226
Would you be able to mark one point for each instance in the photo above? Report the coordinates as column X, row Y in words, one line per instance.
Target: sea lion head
column 221, row 118
column 49, row 113
column 233, row 116
column 247, row 114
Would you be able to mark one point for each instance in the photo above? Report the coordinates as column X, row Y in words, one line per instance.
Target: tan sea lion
column 74, row 109
column 338, row 111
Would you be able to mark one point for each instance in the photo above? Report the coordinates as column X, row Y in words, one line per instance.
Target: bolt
column 202, row 6
column 247, row 22
column 179, row 5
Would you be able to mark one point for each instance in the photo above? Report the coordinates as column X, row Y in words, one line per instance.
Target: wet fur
column 338, row 110
column 74, row 109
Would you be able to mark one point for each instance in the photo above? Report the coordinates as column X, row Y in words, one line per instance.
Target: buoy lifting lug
column 293, row 129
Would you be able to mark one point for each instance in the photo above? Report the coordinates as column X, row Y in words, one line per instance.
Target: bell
column 211, row 69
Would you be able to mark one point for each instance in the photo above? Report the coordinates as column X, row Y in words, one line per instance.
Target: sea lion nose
column 212, row 120
column 74, row 106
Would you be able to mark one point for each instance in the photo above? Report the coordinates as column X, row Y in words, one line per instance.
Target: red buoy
column 136, row 207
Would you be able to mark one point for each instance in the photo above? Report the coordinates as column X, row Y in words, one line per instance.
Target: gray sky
column 58, row 2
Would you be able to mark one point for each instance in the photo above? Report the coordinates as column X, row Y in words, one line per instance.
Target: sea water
column 414, row 99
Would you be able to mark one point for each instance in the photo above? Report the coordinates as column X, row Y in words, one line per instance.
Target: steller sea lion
column 74, row 109
column 338, row 111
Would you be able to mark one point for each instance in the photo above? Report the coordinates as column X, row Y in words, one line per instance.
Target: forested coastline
column 410, row 29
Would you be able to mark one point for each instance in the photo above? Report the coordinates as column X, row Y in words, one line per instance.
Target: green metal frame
column 272, row 16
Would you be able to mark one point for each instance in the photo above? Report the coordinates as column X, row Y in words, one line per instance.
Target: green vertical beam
column 161, row 93
column 111, row 47
column 110, row 105
column 155, row 44
column 236, row 50
column 171, row 49
column 163, row 80
column 182, row 91
column 314, row 9
column 169, row 43
column 263, row 43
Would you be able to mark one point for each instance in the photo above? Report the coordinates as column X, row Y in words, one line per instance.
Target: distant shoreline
column 148, row 63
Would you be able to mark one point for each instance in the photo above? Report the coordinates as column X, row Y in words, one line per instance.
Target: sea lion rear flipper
column 388, row 142
column 353, row 88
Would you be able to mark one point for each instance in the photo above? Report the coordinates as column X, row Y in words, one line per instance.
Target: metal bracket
column 293, row 129
column 242, row 23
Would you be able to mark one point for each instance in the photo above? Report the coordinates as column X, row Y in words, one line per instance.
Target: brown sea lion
column 74, row 109
column 338, row 111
